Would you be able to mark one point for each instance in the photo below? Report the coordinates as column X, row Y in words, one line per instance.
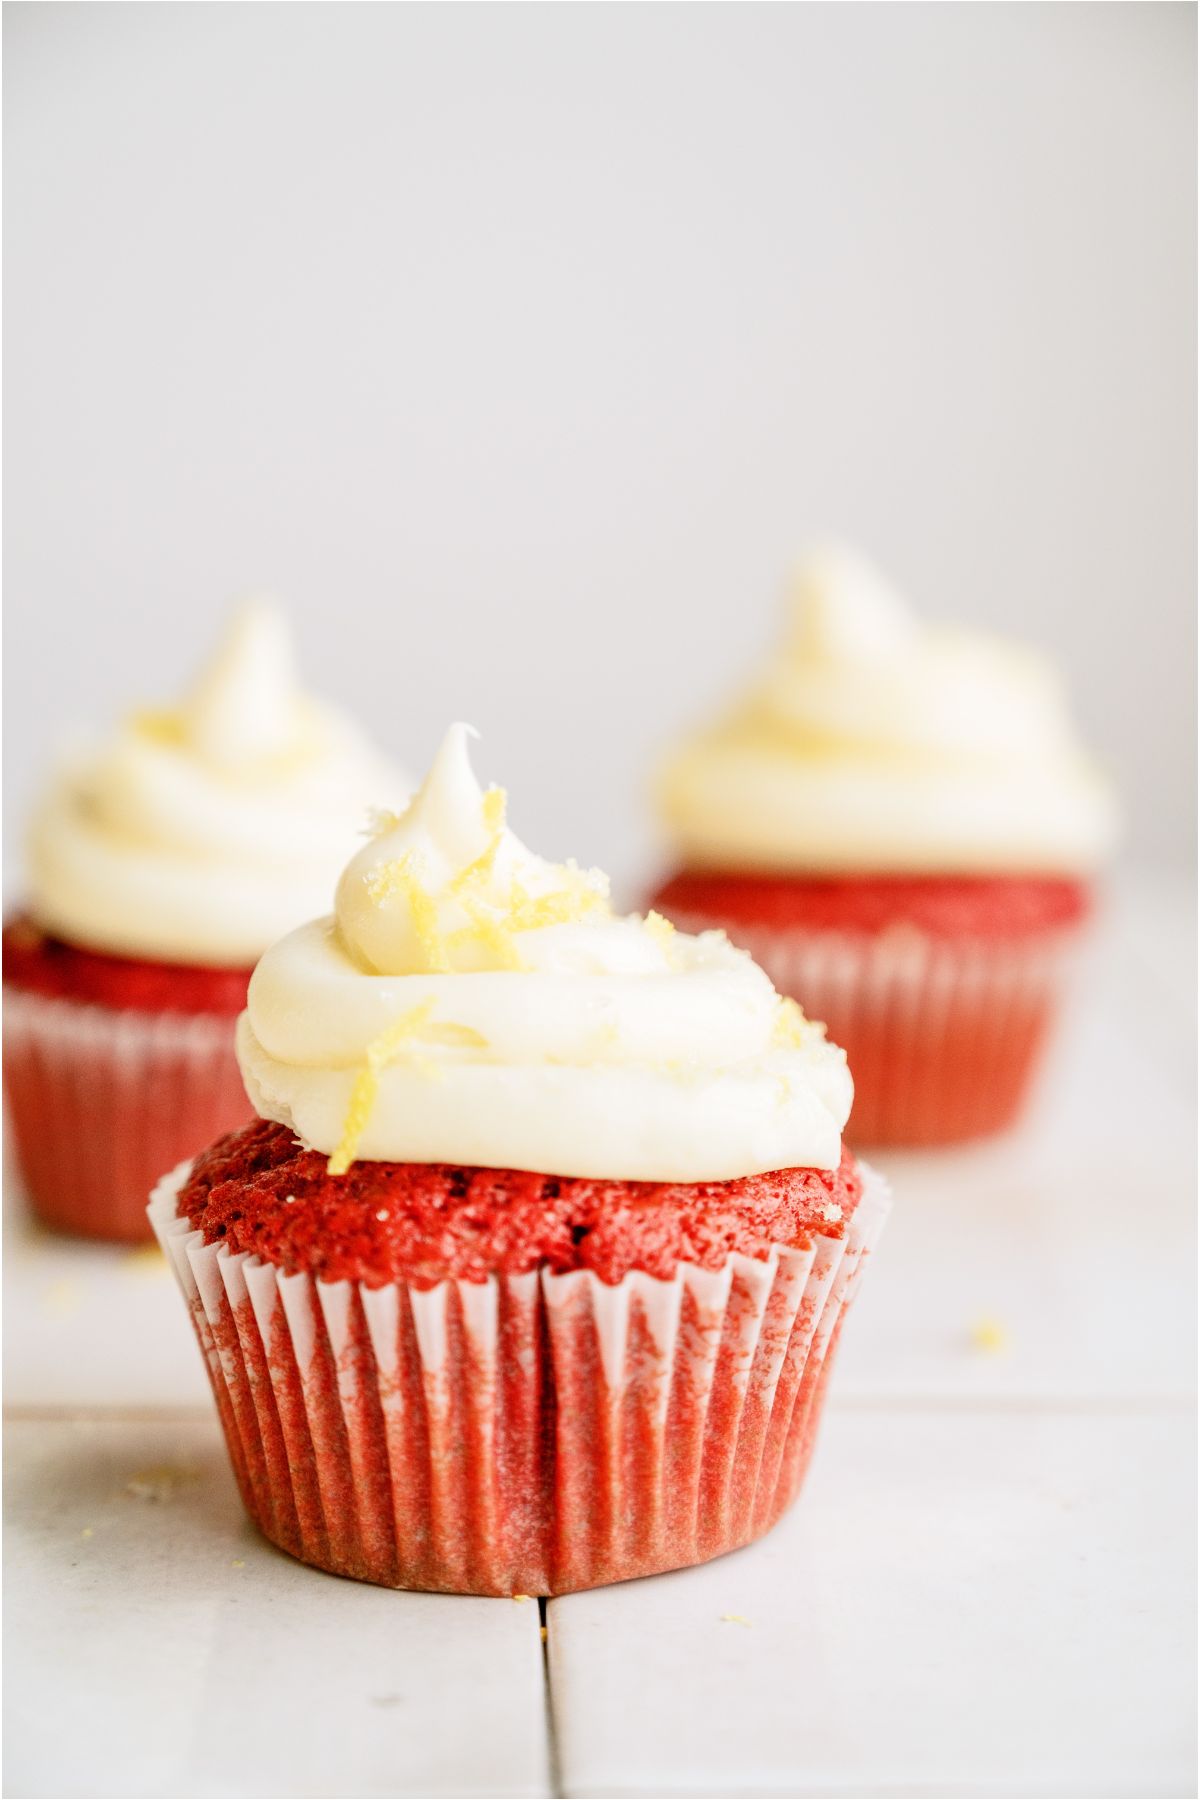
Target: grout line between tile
column 16, row 1413
column 553, row 1758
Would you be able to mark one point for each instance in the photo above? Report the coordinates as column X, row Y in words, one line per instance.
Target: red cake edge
column 258, row 1190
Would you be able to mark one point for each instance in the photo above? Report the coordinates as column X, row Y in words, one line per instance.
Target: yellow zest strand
column 493, row 932
column 477, row 872
column 402, row 879
column 425, row 923
column 455, row 1037
column 452, row 1037
column 529, row 912
column 383, row 1050
column 570, row 904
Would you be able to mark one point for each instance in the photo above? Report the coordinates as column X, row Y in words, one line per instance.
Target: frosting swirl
column 876, row 744
column 470, row 1003
column 198, row 835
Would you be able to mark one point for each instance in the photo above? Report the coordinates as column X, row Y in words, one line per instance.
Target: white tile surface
column 1075, row 1234
column 93, row 1325
column 963, row 1602
column 156, row 1645
column 1084, row 1263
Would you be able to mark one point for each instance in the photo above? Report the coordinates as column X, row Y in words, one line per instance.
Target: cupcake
column 529, row 1274
column 161, row 865
column 899, row 825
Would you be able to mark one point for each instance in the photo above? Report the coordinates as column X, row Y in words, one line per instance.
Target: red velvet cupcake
column 530, row 1275
column 160, row 868
column 111, row 1065
column 899, row 827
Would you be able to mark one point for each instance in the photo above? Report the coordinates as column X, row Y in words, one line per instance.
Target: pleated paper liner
column 533, row 1433
column 943, row 1036
column 102, row 1101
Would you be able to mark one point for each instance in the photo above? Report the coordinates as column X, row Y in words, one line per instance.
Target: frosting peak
column 469, row 1002
column 843, row 610
column 198, row 834
column 448, row 887
column 875, row 743
column 246, row 705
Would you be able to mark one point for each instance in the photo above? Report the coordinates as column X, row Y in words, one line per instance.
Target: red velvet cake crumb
column 948, row 906
column 61, row 971
column 421, row 1222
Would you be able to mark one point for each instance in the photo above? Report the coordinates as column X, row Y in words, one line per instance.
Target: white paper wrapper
column 943, row 1035
column 102, row 1101
column 529, row 1434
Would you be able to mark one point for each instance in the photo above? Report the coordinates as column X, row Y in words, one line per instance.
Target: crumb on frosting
column 380, row 820
column 990, row 1335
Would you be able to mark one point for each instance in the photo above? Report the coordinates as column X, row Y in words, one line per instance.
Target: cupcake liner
column 943, row 1035
column 102, row 1101
column 533, row 1433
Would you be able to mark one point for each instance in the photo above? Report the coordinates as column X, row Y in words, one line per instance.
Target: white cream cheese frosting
column 201, row 834
column 470, row 1003
column 875, row 743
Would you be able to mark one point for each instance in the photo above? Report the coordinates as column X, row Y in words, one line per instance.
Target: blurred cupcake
column 161, row 865
column 898, row 824
column 529, row 1276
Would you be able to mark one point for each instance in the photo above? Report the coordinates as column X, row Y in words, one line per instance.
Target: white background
column 519, row 348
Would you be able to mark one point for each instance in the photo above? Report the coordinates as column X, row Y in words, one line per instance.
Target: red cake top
column 952, row 906
column 60, row 971
column 421, row 1222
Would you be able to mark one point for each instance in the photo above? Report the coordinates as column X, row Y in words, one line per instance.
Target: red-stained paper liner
column 943, row 1035
column 528, row 1434
column 102, row 1101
